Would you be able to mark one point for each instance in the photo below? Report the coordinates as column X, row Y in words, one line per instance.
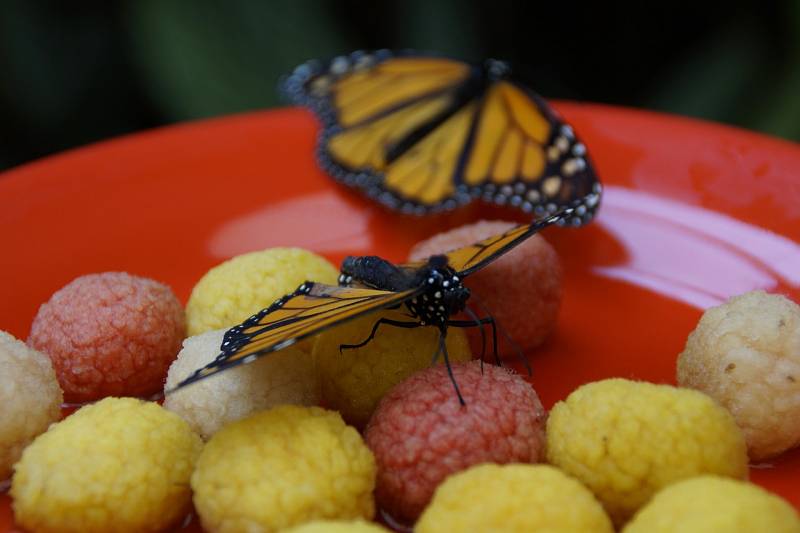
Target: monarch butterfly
column 431, row 291
column 422, row 133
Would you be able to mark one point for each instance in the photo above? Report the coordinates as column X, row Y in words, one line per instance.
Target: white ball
column 283, row 377
column 30, row 398
column 745, row 354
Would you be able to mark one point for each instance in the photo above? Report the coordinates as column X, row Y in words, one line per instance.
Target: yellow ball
column 118, row 465
column 625, row 440
column 231, row 292
column 513, row 498
column 710, row 504
column 353, row 381
column 338, row 526
column 283, row 467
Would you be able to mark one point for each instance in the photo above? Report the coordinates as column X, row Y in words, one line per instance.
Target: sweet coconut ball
column 420, row 433
column 521, row 290
column 514, row 498
column 281, row 468
column 110, row 334
column 745, row 354
column 338, row 526
column 234, row 290
column 120, row 465
column 712, row 504
column 625, row 440
column 283, row 377
column 29, row 395
column 354, row 380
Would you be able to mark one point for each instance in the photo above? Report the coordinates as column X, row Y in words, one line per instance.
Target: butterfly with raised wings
column 431, row 291
column 422, row 133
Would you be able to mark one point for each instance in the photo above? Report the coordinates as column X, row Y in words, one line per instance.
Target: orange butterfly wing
column 469, row 259
column 421, row 133
column 312, row 308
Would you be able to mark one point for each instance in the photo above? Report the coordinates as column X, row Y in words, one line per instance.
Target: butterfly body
column 421, row 133
column 431, row 291
column 440, row 291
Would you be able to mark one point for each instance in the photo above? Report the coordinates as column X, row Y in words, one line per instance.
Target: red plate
column 692, row 213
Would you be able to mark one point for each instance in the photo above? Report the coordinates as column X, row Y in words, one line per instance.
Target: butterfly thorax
column 441, row 293
column 442, row 297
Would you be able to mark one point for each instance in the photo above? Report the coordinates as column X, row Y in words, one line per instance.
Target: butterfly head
column 496, row 69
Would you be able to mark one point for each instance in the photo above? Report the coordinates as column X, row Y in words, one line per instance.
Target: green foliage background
column 76, row 72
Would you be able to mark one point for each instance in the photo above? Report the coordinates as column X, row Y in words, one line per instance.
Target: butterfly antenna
column 506, row 336
column 443, row 349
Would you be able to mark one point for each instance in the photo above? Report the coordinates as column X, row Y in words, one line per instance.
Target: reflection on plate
column 692, row 213
column 693, row 254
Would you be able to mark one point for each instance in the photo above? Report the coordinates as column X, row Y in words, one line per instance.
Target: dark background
column 76, row 72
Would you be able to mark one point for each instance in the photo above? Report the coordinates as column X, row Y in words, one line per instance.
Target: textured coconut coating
column 710, row 504
column 337, row 526
column 625, row 440
column 281, row 468
column 745, row 354
column 30, row 398
column 514, row 498
column 110, row 334
column 283, row 377
column 521, row 290
column 232, row 291
column 354, row 380
column 118, row 465
column 420, row 433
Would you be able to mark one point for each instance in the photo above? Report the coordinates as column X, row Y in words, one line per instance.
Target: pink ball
column 110, row 334
column 521, row 290
column 420, row 433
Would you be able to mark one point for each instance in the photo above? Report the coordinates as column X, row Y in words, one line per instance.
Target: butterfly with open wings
column 431, row 291
column 421, row 133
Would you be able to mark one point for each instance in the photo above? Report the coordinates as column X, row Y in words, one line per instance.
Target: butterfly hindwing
column 312, row 308
column 424, row 133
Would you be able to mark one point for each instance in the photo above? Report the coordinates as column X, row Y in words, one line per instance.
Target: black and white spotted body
column 441, row 294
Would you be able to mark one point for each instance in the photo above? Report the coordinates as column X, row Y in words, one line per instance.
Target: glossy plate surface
column 692, row 213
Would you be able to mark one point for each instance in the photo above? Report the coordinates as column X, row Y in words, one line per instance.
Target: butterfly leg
column 506, row 336
column 443, row 350
column 479, row 325
column 479, row 322
column 375, row 327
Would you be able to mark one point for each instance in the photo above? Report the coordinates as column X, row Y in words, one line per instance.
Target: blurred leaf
column 712, row 82
column 203, row 57
column 449, row 27
column 778, row 108
column 49, row 61
column 65, row 79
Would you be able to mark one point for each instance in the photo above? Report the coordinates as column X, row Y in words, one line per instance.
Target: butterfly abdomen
column 376, row 273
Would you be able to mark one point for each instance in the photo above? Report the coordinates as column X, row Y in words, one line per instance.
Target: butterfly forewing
column 390, row 85
column 368, row 146
column 468, row 259
column 522, row 154
column 312, row 308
